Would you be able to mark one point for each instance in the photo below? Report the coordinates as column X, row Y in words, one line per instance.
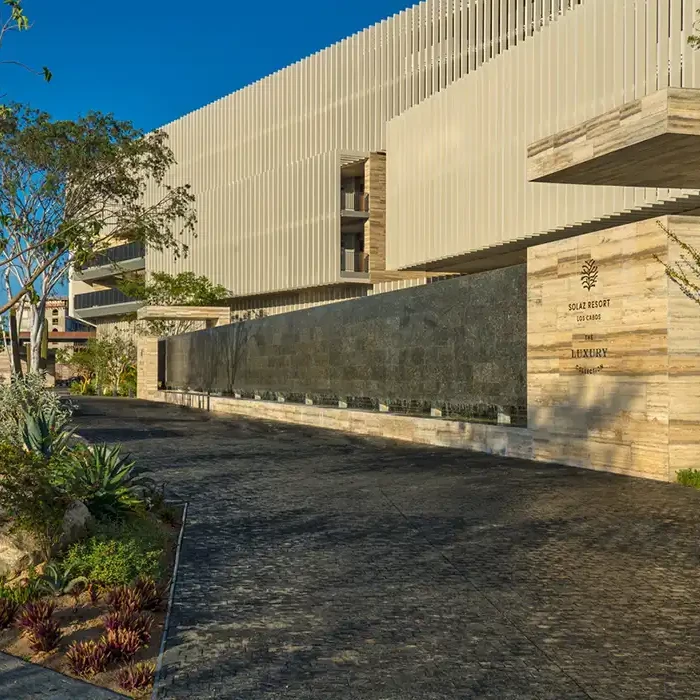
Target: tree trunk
column 14, row 344
column 38, row 314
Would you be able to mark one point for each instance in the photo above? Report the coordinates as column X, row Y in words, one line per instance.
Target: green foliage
column 29, row 395
column 26, row 591
column 136, row 676
column 44, row 434
column 85, row 659
column 119, row 552
column 685, row 272
column 689, row 477
column 183, row 289
column 77, row 186
column 109, row 361
column 104, row 479
column 58, row 580
column 29, row 495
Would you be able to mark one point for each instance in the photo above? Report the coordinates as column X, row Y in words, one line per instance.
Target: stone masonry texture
column 456, row 340
column 317, row 565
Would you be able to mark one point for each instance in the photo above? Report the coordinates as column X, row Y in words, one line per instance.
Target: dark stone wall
column 458, row 340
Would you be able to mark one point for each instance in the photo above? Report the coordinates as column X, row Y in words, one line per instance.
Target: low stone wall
column 481, row 437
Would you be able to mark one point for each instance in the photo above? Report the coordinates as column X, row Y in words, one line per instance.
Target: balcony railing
column 354, row 201
column 353, row 261
column 117, row 254
column 106, row 297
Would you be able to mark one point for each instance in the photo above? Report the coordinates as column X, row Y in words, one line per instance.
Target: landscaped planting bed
column 87, row 548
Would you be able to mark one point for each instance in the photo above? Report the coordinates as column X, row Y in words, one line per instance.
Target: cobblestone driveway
column 318, row 565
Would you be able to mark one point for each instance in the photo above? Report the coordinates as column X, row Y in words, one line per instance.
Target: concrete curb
column 157, row 678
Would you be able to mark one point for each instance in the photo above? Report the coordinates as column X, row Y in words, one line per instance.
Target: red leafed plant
column 34, row 613
column 44, row 636
column 152, row 594
column 8, row 611
column 85, row 659
column 136, row 676
column 136, row 622
column 122, row 643
column 94, row 592
column 124, row 598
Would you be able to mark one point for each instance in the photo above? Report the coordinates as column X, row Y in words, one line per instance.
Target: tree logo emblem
column 589, row 275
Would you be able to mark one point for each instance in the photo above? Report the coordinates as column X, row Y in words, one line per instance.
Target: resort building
column 399, row 154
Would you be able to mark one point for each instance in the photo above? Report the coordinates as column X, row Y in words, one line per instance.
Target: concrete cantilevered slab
column 650, row 142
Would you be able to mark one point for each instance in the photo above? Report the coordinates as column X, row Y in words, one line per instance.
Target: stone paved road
column 318, row 565
column 20, row 680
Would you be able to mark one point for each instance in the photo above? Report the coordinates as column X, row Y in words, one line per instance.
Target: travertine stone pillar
column 147, row 367
column 614, row 352
column 375, row 226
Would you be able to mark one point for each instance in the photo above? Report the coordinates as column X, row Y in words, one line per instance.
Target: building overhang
column 218, row 315
column 650, row 142
column 129, row 307
column 103, row 271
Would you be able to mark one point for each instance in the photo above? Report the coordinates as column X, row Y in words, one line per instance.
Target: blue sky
column 155, row 60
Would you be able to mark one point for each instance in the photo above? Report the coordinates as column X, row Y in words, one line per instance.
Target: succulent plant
column 125, row 599
column 44, row 636
column 122, row 644
column 44, row 433
column 34, row 613
column 152, row 594
column 58, row 581
column 140, row 623
column 136, row 676
column 85, row 659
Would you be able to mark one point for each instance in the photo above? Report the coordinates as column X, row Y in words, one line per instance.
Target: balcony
column 127, row 257
column 354, row 264
column 354, row 205
column 107, row 302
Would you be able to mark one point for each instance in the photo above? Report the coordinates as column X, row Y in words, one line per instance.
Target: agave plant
column 106, row 479
column 44, row 433
column 58, row 581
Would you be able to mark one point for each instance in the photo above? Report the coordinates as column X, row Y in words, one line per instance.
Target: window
column 55, row 312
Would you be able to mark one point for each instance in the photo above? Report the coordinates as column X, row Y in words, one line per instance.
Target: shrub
column 119, row 552
column 136, row 676
column 34, row 613
column 689, row 477
column 152, row 594
column 140, row 623
column 124, row 599
column 44, row 433
column 104, row 479
column 122, row 644
column 27, row 590
column 85, row 659
column 28, row 394
column 8, row 610
column 29, row 496
column 44, row 636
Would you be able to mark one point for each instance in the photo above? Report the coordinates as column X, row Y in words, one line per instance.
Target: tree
column 17, row 21
column 183, row 289
column 71, row 188
column 103, row 362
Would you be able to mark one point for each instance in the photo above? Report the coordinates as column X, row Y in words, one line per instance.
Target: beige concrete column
column 146, row 367
column 375, row 226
